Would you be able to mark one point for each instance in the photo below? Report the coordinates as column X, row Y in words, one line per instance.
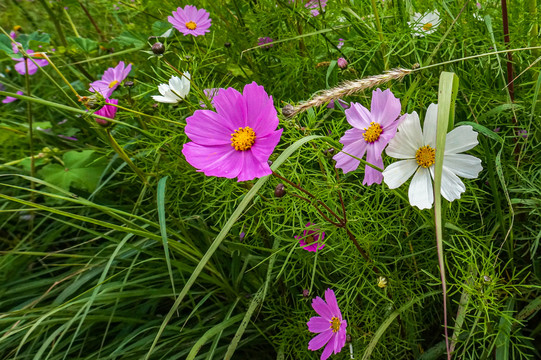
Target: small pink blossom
column 266, row 41
column 108, row 111
column 10, row 99
column 33, row 66
column 111, row 79
column 209, row 94
column 190, row 20
column 342, row 63
column 372, row 130
column 340, row 43
column 329, row 326
column 310, row 239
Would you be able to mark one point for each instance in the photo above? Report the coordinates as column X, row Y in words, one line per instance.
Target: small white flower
column 418, row 148
column 423, row 24
column 175, row 91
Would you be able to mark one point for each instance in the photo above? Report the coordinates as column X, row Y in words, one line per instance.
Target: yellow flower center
column 113, row 83
column 425, row 156
column 243, row 138
column 372, row 133
column 190, row 25
column 427, row 26
column 17, row 28
column 335, row 324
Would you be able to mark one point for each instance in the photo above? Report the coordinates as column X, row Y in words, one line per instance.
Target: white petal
column 430, row 126
column 407, row 140
column 164, row 99
column 167, row 33
column 163, row 88
column 174, row 83
column 185, row 84
column 398, row 172
column 460, row 139
column 451, row 185
column 171, row 95
column 463, row 165
column 421, row 193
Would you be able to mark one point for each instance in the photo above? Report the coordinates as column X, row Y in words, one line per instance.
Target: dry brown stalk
column 345, row 89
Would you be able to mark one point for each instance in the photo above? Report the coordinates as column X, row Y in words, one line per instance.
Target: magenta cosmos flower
column 209, row 94
column 309, row 240
column 237, row 139
column 329, row 326
column 190, row 20
column 32, row 67
column 265, row 42
column 315, row 5
column 108, row 111
column 372, row 131
column 110, row 80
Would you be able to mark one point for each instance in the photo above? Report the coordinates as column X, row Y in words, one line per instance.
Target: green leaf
column 81, row 170
column 332, row 74
column 34, row 40
column 159, row 27
column 129, row 38
column 84, row 45
column 5, row 45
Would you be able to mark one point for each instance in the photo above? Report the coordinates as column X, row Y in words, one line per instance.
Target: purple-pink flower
column 190, row 20
column 110, row 80
column 266, row 41
column 314, row 5
column 329, row 326
column 340, row 102
column 237, row 139
column 108, row 111
column 342, row 63
column 310, row 239
column 32, row 68
column 209, row 94
column 340, row 43
column 10, row 99
column 372, row 130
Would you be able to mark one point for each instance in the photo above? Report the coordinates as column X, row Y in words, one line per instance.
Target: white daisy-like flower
column 424, row 24
column 175, row 91
column 418, row 149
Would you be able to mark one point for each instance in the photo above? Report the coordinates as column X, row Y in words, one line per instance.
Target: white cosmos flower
column 424, row 24
column 175, row 91
column 418, row 149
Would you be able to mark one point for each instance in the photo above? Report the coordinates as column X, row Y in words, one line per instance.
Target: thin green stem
column 380, row 35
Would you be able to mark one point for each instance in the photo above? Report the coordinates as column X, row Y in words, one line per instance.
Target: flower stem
column 30, row 134
column 380, row 35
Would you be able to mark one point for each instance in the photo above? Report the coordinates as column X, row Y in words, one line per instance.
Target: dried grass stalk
column 344, row 89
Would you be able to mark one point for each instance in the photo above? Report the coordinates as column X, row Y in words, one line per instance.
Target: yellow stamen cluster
column 190, row 25
column 427, row 26
column 113, row 83
column 243, row 138
column 335, row 324
column 310, row 239
column 425, row 156
column 372, row 133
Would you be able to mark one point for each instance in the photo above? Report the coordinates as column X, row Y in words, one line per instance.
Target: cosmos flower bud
column 158, row 48
column 280, row 190
column 227, row 44
column 128, row 84
column 288, row 110
column 342, row 63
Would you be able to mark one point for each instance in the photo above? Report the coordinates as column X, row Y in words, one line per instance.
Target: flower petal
column 260, row 110
column 231, row 105
column 320, row 340
column 463, row 165
column 328, row 349
column 221, row 161
column 408, row 139
column 421, row 193
column 398, row 172
column 163, row 99
column 322, row 308
column 264, row 146
column 318, row 324
column 252, row 168
column 461, row 138
column 430, row 126
column 451, row 185
column 358, row 116
column 371, row 175
column 385, row 107
column 205, row 127
column 330, row 298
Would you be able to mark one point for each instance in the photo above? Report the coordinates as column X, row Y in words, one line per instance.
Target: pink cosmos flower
column 32, row 68
column 265, row 40
column 342, row 63
column 309, row 240
column 340, row 43
column 372, row 131
column 340, row 102
column 190, row 20
column 329, row 326
column 237, row 139
column 108, row 111
column 10, row 99
column 110, row 80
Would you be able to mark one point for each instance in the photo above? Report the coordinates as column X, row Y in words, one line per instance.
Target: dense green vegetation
column 114, row 247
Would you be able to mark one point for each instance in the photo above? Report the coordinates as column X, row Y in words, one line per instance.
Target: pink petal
column 328, row 349
column 260, row 109
column 206, row 127
column 385, row 107
column 318, row 324
column 252, row 168
column 264, row 146
column 230, row 104
column 358, row 116
column 322, row 308
column 330, row 298
column 320, row 340
column 222, row 161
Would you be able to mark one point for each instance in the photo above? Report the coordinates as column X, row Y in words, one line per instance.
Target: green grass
column 118, row 265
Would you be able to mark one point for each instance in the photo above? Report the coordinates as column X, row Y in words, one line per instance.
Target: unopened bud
column 280, row 190
column 128, row 84
column 288, row 110
column 158, row 48
column 227, row 44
